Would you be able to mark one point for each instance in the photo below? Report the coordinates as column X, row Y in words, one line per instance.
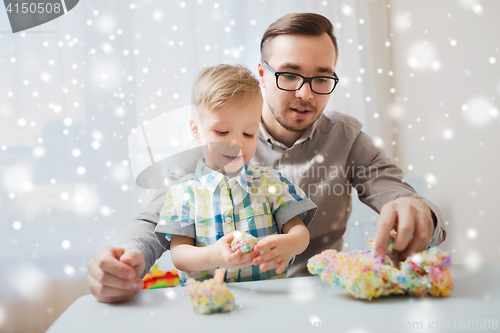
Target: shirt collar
column 212, row 179
column 307, row 135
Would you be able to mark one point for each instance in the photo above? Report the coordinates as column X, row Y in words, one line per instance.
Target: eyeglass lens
column 293, row 82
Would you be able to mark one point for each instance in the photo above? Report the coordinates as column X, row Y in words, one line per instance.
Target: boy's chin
column 233, row 168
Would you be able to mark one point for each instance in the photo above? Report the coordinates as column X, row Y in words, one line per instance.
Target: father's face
column 305, row 55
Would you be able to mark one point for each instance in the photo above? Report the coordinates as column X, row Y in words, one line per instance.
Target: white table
column 296, row 305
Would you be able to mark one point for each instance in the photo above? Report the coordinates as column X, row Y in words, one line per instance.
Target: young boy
column 227, row 193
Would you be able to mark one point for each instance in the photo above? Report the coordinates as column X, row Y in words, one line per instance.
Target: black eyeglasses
column 322, row 85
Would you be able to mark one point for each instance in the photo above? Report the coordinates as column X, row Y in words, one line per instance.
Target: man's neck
column 278, row 132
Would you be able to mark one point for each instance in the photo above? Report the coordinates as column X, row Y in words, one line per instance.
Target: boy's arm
column 282, row 247
column 298, row 233
column 190, row 258
column 187, row 257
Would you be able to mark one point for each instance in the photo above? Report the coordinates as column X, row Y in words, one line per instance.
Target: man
column 324, row 156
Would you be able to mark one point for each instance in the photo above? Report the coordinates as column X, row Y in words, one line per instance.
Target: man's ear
column 260, row 70
column 195, row 131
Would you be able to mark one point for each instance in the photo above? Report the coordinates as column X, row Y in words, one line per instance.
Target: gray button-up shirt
column 330, row 157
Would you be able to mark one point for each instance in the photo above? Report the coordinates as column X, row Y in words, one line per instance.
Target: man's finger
column 131, row 258
column 420, row 239
column 406, row 228
column 108, row 280
column 134, row 259
column 113, row 266
column 386, row 222
column 107, row 259
column 106, row 291
column 109, row 294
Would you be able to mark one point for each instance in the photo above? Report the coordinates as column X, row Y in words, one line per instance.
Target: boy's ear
column 195, row 132
column 260, row 70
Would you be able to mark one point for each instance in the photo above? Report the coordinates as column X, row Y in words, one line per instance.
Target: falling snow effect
column 422, row 56
column 72, row 98
column 402, row 21
column 302, row 291
column 479, row 111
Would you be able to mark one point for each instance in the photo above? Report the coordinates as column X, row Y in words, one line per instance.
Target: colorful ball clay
column 366, row 275
column 244, row 242
column 210, row 296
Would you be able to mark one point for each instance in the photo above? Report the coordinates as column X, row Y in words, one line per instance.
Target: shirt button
column 228, row 220
column 287, row 155
column 258, row 209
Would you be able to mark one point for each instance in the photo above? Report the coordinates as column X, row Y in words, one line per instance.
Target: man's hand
column 114, row 273
column 281, row 251
column 223, row 256
column 412, row 219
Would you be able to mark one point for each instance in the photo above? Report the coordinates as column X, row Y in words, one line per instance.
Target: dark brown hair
column 309, row 24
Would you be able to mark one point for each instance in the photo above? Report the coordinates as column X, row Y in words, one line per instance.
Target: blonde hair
column 217, row 86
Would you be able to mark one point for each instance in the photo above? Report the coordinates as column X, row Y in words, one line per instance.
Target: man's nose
column 305, row 92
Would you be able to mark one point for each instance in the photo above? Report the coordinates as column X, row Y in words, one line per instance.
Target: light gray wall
column 454, row 107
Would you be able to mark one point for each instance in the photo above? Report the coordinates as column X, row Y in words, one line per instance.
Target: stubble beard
column 298, row 125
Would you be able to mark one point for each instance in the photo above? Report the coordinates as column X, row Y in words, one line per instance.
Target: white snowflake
column 422, row 56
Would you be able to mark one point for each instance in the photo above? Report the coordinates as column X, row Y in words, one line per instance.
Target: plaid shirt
column 207, row 205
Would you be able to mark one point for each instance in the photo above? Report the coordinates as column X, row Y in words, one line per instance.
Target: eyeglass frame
column 305, row 79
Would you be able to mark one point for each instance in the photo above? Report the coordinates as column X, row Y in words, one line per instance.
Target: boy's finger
column 281, row 267
column 234, row 256
column 229, row 237
column 265, row 244
column 264, row 257
column 269, row 264
column 250, row 255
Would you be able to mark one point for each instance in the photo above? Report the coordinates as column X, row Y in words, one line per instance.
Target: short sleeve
column 287, row 200
column 177, row 216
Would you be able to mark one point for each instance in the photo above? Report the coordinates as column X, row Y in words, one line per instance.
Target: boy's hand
column 223, row 256
column 281, row 251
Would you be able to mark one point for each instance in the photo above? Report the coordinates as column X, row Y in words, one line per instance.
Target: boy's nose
column 235, row 144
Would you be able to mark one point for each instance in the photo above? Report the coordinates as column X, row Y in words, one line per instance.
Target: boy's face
column 230, row 134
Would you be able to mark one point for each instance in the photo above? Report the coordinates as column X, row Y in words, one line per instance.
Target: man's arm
column 139, row 233
column 115, row 272
column 380, row 182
